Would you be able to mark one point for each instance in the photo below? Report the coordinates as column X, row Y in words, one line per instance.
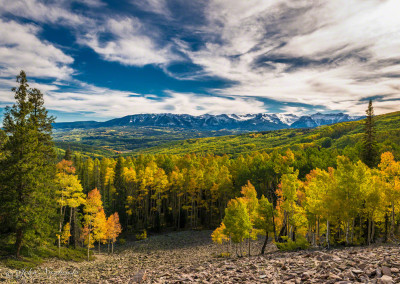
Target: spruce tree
column 68, row 154
column 369, row 153
column 27, row 194
column 119, row 185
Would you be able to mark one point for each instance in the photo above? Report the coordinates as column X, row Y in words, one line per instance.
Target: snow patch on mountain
column 241, row 122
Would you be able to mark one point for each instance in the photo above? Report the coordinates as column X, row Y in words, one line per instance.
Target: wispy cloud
column 129, row 43
column 39, row 11
column 331, row 53
column 321, row 54
column 20, row 48
column 106, row 103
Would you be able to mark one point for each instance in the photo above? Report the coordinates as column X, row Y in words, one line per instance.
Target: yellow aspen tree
column 374, row 200
column 66, row 233
column 349, row 177
column 250, row 199
column 390, row 170
column 69, row 191
column 237, row 221
column 289, row 186
column 320, row 198
column 92, row 207
column 218, row 235
column 113, row 229
column 264, row 219
column 100, row 227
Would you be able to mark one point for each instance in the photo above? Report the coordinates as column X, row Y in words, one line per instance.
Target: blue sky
column 96, row 59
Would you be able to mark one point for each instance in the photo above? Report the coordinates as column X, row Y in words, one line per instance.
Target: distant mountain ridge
column 246, row 122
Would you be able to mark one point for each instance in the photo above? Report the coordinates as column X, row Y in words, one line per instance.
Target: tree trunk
column 60, row 229
column 75, row 230
column 70, row 222
column 392, row 222
column 327, row 233
column 347, row 232
column 18, row 241
column 112, row 247
column 273, row 224
column 352, row 231
column 369, row 231
column 373, row 231
column 88, row 246
column 99, row 246
column 313, row 236
column 386, row 227
column 264, row 244
column 249, row 246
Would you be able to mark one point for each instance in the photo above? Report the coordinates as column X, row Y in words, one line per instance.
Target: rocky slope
column 189, row 257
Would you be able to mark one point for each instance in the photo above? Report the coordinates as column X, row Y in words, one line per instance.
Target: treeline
column 37, row 195
column 350, row 204
column 189, row 191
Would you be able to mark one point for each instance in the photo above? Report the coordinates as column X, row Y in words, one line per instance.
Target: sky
column 98, row 59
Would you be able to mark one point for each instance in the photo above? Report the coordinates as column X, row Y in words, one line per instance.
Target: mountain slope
column 247, row 122
column 337, row 136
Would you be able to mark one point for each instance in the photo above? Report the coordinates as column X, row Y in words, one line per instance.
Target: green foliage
column 369, row 152
column 31, row 257
column 237, row 221
column 141, row 236
column 289, row 245
column 27, row 193
column 330, row 137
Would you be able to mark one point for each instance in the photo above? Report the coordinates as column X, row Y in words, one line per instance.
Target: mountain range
column 246, row 122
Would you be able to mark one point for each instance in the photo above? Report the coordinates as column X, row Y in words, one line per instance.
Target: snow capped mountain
column 287, row 118
column 245, row 122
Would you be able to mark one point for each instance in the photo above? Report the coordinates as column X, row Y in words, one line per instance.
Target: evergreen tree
column 119, row 185
column 68, row 154
column 369, row 153
column 27, row 194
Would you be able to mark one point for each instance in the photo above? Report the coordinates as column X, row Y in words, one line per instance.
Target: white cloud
column 20, row 48
column 319, row 53
column 39, row 11
column 292, row 51
column 129, row 44
column 113, row 103
column 155, row 6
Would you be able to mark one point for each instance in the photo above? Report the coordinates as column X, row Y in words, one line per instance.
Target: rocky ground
column 190, row 256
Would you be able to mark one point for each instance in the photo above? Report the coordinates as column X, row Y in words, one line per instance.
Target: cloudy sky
column 97, row 59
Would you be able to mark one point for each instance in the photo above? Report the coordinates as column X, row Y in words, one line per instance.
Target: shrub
column 300, row 243
column 142, row 236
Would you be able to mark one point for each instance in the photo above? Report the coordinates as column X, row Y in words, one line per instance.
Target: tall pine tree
column 369, row 153
column 27, row 194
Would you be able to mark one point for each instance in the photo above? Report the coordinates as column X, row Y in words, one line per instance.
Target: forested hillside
column 111, row 142
column 337, row 136
column 332, row 185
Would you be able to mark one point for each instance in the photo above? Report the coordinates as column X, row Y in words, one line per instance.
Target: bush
column 122, row 241
column 300, row 243
column 326, row 143
column 142, row 236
